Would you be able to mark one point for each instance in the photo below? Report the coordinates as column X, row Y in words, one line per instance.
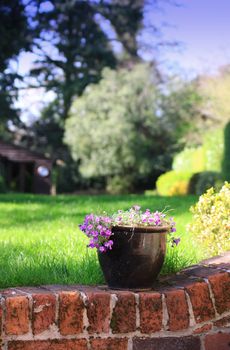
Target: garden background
column 107, row 91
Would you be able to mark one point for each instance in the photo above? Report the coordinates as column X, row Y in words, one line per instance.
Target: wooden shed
column 23, row 170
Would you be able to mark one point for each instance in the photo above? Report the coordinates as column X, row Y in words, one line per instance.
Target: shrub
column 190, row 158
column 201, row 182
column 173, row 183
column 2, row 185
column 226, row 157
column 211, row 220
column 119, row 185
column 203, row 163
column 213, row 150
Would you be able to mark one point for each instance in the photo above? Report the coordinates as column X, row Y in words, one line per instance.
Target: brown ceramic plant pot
column 136, row 258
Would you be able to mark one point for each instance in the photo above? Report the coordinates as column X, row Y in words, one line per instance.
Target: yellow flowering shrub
column 211, row 220
column 179, row 188
column 173, row 183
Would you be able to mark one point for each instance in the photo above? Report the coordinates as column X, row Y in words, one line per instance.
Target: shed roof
column 20, row 154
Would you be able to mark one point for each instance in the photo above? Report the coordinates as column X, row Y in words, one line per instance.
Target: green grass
column 40, row 242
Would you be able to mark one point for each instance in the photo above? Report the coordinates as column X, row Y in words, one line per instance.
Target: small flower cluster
column 135, row 217
column 99, row 228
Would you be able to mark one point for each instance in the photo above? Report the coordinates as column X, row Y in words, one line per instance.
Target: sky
column 201, row 28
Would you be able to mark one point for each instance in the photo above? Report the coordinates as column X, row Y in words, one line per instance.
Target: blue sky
column 202, row 27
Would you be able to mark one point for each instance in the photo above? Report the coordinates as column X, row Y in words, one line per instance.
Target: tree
column 13, row 30
column 215, row 91
column 126, row 17
column 72, row 50
column 115, row 129
column 14, row 34
column 180, row 105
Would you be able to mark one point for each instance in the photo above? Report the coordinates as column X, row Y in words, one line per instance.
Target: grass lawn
column 40, row 242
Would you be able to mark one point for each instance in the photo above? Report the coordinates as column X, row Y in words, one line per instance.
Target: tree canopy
column 72, row 49
column 15, row 37
column 215, row 90
column 116, row 129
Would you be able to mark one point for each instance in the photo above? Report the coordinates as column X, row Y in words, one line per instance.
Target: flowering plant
column 99, row 228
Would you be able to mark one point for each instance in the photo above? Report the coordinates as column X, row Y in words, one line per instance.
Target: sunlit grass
column 40, row 242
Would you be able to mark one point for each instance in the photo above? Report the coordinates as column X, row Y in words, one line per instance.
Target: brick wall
column 187, row 311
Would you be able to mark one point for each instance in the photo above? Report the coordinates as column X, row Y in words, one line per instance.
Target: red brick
column 177, row 309
column 200, row 271
column 43, row 312
column 124, row 314
column 70, row 313
column 75, row 344
column 170, row 343
column 17, row 315
column 225, row 321
column 151, row 314
column 224, row 266
column 109, row 344
column 217, row 261
column 0, row 319
column 203, row 329
column 201, row 302
column 220, row 284
column 98, row 312
column 218, row 341
column 11, row 292
column 1, row 312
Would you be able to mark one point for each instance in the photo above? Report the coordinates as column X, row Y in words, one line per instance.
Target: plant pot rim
column 142, row 229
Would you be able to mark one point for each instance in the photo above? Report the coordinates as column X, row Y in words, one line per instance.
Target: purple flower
column 89, row 217
column 102, row 249
column 82, row 227
column 107, row 219
column 175, row 241
column 172, row 222
column 136, row 207
column 99, row 228
column 108, row 244
column 91, row 244
column 95, row 234
column 108, row 233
